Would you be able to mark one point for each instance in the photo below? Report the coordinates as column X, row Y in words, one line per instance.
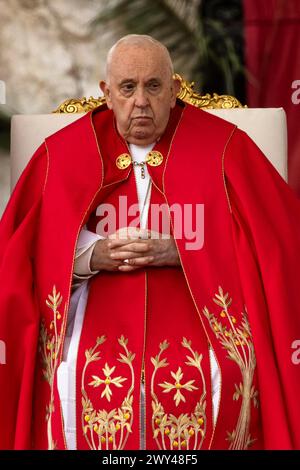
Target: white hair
column 139, row 40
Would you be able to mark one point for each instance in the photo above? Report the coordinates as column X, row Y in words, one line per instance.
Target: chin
column 141, row 141
column 141, row 137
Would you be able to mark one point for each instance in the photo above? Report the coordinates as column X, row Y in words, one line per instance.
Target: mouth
column 141, row 119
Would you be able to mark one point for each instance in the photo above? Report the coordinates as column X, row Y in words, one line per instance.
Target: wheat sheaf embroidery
column 236, row 338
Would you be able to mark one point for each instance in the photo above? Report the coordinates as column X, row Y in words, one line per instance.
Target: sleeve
column 84, row 249
column 266, row 227
column 19, row 315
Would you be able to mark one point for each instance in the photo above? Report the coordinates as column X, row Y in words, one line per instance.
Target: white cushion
column 266, row 126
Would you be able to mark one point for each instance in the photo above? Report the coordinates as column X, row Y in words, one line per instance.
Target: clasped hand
column 140, row 247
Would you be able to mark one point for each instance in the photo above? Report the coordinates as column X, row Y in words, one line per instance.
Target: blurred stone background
column 48, row 52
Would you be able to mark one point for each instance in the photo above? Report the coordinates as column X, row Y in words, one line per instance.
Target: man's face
column 141, row 92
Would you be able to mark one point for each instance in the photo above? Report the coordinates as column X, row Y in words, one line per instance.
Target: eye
column 154, row 86
column 127, row 88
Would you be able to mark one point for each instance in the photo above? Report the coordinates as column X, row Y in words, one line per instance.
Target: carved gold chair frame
column 186, row 93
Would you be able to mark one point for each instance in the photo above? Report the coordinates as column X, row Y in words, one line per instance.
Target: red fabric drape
column 272, row 43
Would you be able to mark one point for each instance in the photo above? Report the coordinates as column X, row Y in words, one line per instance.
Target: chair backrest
column 266, row 126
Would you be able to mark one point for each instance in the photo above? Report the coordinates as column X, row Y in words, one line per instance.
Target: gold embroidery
column 178, row 386
column 107, row 429
column 49, row 348
column 117, row 381
column 184, row 431
column 237, row 340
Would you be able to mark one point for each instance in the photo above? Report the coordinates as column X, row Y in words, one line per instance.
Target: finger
column 121, row 255
column 118, row 242
column 126, row 232
column 134, row 246
column 145, row 260
column 127, row 268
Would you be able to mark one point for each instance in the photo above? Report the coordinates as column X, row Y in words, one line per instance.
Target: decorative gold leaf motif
column 79, row 105
column 183, row 431
column 237, row 341
column 49, row 348
column 208, row 101
column 102, row 429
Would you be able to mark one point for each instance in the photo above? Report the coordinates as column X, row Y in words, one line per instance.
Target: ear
column 175, row 90
column 106, row 92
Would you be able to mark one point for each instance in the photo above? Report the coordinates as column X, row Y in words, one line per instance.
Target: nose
column 141, row 100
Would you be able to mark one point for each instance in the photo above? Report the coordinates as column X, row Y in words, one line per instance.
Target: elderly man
column 148, row 296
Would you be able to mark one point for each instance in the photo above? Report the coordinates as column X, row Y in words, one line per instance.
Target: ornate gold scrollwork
column 208, row 101
column 186, row 93
column 79, row 105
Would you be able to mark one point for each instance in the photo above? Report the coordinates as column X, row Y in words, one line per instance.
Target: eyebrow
column 132, row 80
column 126, row 80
